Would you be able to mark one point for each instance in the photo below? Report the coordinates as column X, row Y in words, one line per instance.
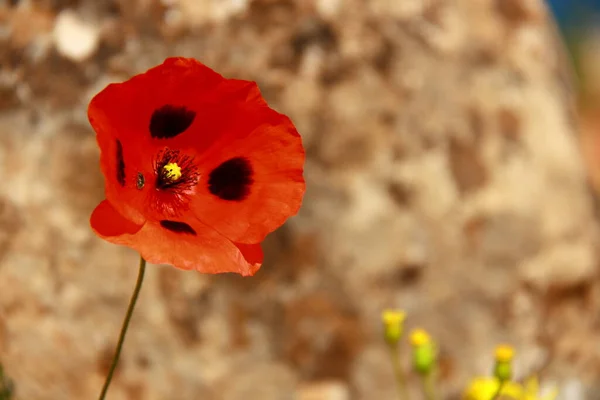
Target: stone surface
column 74, row 38
column 444, row 177
column 324, row 391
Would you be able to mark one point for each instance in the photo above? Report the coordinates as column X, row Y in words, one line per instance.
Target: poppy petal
column 126, row 110
column 253, row 253
column 251, row 176
column 121, row 166
column 106, row 221
column 237, row 90
column 191, row 247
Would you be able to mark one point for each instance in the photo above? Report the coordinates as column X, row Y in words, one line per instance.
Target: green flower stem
column 499, row 390
column 428, row 382
column 6, row 386
column 134, row 297
column 398, row 373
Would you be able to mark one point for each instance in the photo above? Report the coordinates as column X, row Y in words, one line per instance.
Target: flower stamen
column 172, row 171
column 176, row 176
column 175, row 172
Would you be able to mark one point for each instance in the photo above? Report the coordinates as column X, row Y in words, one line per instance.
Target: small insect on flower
column 198, row 168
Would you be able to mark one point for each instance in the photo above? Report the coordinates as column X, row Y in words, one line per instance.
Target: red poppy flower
column 198, row 169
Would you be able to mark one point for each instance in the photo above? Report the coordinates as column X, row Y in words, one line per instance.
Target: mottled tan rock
column 74, row 38
column 444, row 177
column 253, row 384
column 323, row 391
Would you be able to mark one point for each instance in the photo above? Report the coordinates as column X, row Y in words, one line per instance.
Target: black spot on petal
column 120, row 164
column 231, row 180
column 177, row 227
column 169, row 121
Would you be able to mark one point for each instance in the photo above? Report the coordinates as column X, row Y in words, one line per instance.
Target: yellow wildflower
column 393, row 324
column 503, row 366
column 504, row 353
column 483, row 388
column 419, row 337
column 532, row 391
column 424, row 351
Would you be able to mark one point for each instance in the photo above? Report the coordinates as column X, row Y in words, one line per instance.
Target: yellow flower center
column 504, row 353
column 172, row 171
column 419, row 337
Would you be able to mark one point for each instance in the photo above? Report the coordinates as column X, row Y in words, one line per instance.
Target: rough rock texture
column 444, row 177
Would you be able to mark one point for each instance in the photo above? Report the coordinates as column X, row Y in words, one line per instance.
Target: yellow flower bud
column 504, row 353
column 419, row 337
column 424, row 352
column 393, row 324
column 503, row 367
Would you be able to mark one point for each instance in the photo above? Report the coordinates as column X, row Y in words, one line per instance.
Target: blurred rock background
column 579, row 22
column 449, row 166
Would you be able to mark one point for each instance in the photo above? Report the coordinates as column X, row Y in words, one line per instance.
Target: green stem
column 399, row 374
column 134, row 297
column 497, row 394
column 429, row 386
